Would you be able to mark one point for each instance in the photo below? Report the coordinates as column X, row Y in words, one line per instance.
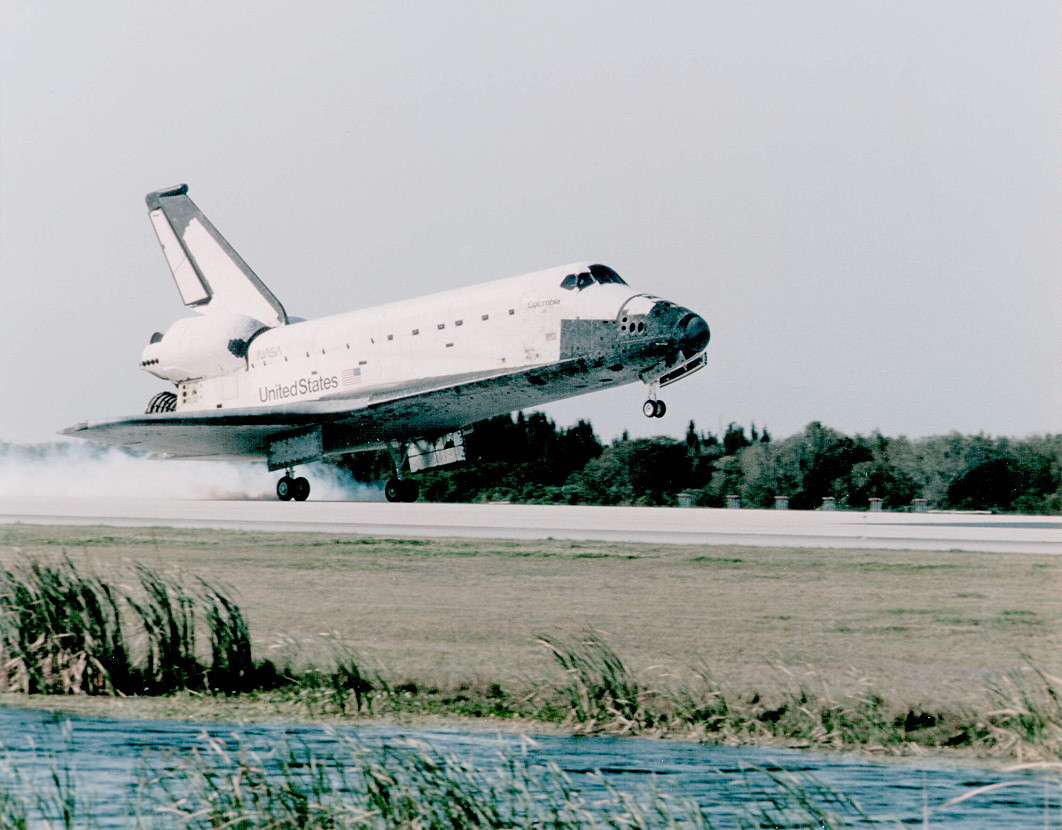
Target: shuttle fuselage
column 252, row 384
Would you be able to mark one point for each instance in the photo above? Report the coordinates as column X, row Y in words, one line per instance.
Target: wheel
column 649, row 409
column 661, row 409
column 301, row 488
column 285, row 488
column 401, row 489
column 410, row 490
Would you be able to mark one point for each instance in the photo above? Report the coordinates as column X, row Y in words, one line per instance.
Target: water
column 106, row 756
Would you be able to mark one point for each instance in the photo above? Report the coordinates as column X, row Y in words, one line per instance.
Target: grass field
column 919, row 627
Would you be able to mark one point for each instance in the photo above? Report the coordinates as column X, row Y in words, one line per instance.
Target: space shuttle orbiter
column 250, row 383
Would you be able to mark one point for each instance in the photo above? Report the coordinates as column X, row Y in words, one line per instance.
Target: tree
column 879, row 479
column 824, row 458
column 693, row 440
column 643, row 471
column 990, row 485
column 734, row 439
column 527, row 458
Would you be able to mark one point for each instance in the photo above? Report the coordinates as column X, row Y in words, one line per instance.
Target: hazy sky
column 862, row 198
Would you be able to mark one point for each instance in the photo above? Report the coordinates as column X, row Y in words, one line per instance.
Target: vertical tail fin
column 210, row 275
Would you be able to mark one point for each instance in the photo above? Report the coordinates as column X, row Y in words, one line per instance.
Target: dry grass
column 922, row 627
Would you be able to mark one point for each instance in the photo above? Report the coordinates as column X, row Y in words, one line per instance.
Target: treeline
column 529, row 459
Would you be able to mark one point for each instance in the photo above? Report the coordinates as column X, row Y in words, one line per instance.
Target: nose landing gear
column 289, row 488
column 653, row 408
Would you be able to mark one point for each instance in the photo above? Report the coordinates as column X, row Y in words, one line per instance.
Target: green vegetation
column 450, row 612
column 65, row 633
column 528, row 459
column 410, row 785
column 62, row 632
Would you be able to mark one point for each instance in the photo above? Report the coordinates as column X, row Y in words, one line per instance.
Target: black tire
column 301, row 489
column 285, row 488
column 649, row 409
column 393, row 489
column 661, row 409
column 410, row 490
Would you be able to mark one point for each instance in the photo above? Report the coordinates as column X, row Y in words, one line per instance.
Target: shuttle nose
column 693, row 334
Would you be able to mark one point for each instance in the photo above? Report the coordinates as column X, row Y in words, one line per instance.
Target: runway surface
column 782, row 528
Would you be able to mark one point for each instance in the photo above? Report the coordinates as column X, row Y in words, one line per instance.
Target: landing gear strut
column 400, row 488
column 289, row 488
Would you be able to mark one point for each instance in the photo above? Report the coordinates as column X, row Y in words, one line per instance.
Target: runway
column 776, row 528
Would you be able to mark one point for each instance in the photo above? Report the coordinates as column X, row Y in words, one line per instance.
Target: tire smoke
column 77, row 470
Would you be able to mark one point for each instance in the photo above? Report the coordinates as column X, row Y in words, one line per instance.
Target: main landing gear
column 289, row 488
column 401, row 489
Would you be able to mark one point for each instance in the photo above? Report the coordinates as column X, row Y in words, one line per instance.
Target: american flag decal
column 348, row 377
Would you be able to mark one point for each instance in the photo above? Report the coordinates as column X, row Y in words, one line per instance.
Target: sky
column 863, row 199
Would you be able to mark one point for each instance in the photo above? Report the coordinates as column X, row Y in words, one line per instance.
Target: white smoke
column 78, row 470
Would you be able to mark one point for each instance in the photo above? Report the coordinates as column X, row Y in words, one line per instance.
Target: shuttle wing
column 347, row 424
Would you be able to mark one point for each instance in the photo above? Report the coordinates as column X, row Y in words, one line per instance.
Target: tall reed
column 408, row 785
column 61, row 632
column 599, row 694
column 166, row 614
column 232, row 666
column 1027, row 717
column 600, row 691
column 65, row 632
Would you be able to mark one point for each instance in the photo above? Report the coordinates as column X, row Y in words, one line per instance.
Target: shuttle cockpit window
column 597, row 273
column 604, row 274
column 577, row 281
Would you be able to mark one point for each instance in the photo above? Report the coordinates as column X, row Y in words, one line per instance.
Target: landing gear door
column 298, row 448
column 426, row 453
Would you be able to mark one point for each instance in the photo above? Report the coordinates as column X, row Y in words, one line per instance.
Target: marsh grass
column 346, row 688
column 61, row 632
column 66, row 632
column 410, row 785
column 232, row 667
column 1027, row 719
column 601, row 693
column 793, row 799
column 453, row 610
column 166, row 615
column 57, row 801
